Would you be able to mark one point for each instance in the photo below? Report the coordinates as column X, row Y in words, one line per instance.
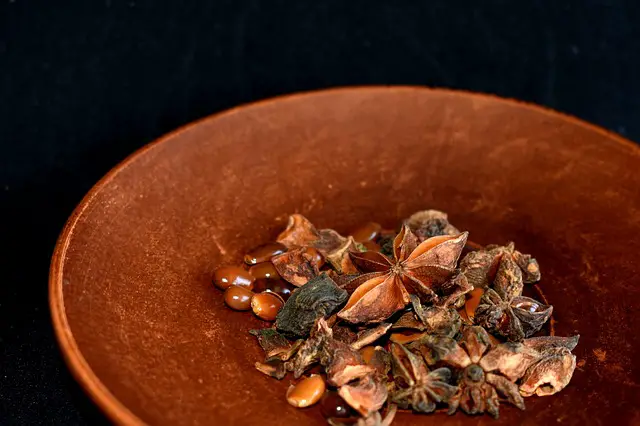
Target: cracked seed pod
column 549, row 375
column 370, row 335
column 310, row 351
column 430, row 223
column 366, row 395
column 299, row 265
column 275, row 345
column 343, row 363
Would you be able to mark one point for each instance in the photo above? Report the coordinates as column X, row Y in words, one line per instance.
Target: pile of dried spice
column 417, row 319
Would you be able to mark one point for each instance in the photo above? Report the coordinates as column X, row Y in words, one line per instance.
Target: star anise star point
column 416, row 268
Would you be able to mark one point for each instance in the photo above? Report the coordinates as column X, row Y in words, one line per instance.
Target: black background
column 83, row 85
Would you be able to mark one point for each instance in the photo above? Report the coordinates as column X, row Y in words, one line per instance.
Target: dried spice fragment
column 514, row 319
column 549, row 375
column 343, row 363
column 420, row 269
column 275, row 369
column 299, row 265
column 370, row 335
column 311, row 350
column 339, row 257
column 430, row 223
column 480, row 267
column 416, row 387
column 433, row 319
column 485, row 371
column 300, row 232
column 366, row 395
column 319, row 298
column 545, row 343
column 274, row 344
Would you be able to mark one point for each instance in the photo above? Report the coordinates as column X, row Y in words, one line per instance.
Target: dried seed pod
column 509, row 359
column 226, row 276
column 266, row 305
column 340, row 259
column 319, row 298
column 263, row 253
column 311, row 350
column 343, row 364
column 549, row 375
column 366, row 395
column 306, row 392
column 238, row 298
column 430, row 223
column 300, row 232
column 531, row 313
column 545, row 343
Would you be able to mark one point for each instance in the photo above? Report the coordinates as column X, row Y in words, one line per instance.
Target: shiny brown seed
column 332, row 405
column 367, row 232
column 279, row 287
column 473, row 300
column 266, row 305
column 226, row 276
column 264, row 270
column 306, row 392
column 263, row 253
column 238, row 298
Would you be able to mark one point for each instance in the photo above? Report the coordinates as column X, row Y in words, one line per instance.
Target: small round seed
column 280, row 287
column 226, row 276
column 367, row 232
column 306, row 392
column 238, row 298
column 263, row 253
column 266, row 305
column 332, row 405
column 264, row 270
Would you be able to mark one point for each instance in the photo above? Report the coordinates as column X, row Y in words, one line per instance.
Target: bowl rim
column 115, row 410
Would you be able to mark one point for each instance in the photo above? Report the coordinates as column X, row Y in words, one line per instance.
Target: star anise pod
column 418, row 388
column 514, row 319
column 425, row 269
column 432, row 319
column 480, row 267
column 484, row 371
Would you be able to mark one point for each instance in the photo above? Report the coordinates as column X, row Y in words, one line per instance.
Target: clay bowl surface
column 150, row 339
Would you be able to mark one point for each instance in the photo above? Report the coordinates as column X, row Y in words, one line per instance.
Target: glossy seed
column 264, row 270
column 238, row 298
column 226, row 276
column 263, row 253
column 306, row 392
column 473, row 300
column 367, row 232
column 279, row 287
column 266, row 305
column 332, row 405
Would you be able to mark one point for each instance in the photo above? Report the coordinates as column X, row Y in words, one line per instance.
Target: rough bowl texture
column 148, row 336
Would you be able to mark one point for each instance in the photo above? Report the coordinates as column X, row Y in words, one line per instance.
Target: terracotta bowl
column 149, row 338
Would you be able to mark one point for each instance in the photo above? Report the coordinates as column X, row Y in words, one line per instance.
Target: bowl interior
column 150, row 338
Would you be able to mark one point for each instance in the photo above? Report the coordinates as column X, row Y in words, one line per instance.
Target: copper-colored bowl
column 150, row 339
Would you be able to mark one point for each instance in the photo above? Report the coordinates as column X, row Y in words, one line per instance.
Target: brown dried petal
column 509, row 359
column 276, row 370
column 476, row 342
column 344, row 334
column 366, row 396
column 476, row 400
column 441, row 348
column 298, row 266
column 404, row 244
column 409, row 320
column 442, row 321
column 328, row 241
column 528, row 265
column 508, row 281
column 370, row 261
column 443, row 251
column 343, row 364
column 311, row 350
column 375, row 300
column 425, row 280
column 531, row 313
column 545, row 343
column 299, row 232
column 453, row 289
column 381, row 362
column 506, row 389
column 370, row 335
column 550, row 375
